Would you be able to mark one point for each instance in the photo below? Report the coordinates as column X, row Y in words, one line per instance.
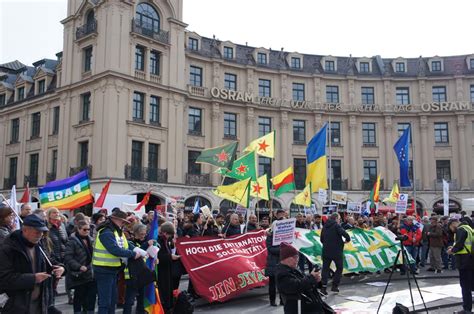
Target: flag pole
column 330, row 160
column 413, row 169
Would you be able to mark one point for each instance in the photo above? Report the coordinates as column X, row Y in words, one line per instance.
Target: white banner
column 446, row 197
column 402, row 203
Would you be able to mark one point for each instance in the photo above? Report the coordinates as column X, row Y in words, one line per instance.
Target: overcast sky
column 30, row 29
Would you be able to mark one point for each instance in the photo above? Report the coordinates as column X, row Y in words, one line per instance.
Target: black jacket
column 231, row 230
column 294, row 286
column 273, row 256
column 16, row 275
column 165, row 283
column 58, row 238
column 463, row 261
column 331, row 238
column 77, row 255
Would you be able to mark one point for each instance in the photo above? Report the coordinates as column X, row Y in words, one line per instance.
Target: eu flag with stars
column 401, row 149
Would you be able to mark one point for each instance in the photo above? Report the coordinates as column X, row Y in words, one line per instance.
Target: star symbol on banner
column 297, row 234
column 222, row 156
column 263, row 146
column 253, row 265
column 257, row 188
column 242, row 169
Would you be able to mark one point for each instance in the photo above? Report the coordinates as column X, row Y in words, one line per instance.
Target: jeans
column 413, row 251
column 466, row 280
column 337, row 274
column 107, row 291
column 130, row 294
column 424, row 253
column 84, row 297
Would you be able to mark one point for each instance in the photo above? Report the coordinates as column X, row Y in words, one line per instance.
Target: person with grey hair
column 333, row 246
column 233, row 228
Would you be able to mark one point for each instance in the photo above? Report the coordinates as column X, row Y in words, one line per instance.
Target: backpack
column 183, row 304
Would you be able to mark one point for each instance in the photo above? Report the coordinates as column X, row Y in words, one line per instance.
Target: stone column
column 389, row 171
column 424, row 153
column 215, row 114
column 353, row 151
column 250, row 127
column 463, row 168
column 286, row 151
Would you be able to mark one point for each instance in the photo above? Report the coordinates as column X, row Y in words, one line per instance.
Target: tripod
column 405, row 263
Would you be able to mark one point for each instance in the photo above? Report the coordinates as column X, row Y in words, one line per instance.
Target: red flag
column 26, row 195
column 100, row 201
column 143, row 202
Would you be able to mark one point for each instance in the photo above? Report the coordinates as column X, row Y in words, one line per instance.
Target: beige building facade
column 135, row 97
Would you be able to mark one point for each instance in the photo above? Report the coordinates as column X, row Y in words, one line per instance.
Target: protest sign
column 283, row 231
column 221, row 269
column 310, row 210
column 339, row 197
column 206, row 211
column 322, row 195
column 329, row 209
column 401, row 205
column 241, row 210
column 354, row 207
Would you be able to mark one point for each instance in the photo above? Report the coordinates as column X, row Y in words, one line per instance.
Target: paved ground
column 435, row 290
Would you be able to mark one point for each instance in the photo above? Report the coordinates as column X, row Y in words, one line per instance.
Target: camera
column 401, row 237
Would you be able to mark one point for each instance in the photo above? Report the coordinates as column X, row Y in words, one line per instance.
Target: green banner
column 369, row 250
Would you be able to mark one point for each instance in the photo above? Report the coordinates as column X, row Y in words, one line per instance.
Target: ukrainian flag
column 316, row 171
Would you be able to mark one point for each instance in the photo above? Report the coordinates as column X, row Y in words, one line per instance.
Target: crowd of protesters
column 89, row 252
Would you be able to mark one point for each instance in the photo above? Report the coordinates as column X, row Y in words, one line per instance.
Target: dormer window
column 400, row 67
column 329, row 66
column 261, row 58
column 3, row 99
column 41, row 86
column 364, row 67
column 228, row 52
column 436, row 66
column 21, row 93
column 471, row 64
column 193, row 44
column 295, row 63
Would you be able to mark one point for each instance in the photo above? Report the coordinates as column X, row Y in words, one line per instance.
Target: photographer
column 294, row 285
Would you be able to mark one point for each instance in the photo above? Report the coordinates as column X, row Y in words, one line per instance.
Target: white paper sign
column 322, row 195
column 354, row 207
column 284, row 231
column 445, row 198
column 310, row 210
column 401, row 205
column 206, row 211
column 339, row 197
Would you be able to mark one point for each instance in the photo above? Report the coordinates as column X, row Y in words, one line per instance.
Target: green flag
column 244, row 167
column 221, row 156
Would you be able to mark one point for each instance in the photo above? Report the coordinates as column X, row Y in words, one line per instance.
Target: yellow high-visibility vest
column 102, row 257
column 467, row 249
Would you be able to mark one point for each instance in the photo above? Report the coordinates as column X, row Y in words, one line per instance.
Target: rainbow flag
column 68, row 193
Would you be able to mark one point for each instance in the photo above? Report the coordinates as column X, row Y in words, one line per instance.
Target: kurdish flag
column 260, row 188
column 265, row 145
column 68, row 193
column 238, row 192
column 221, row 156
column 393, row 197
column 374, row 194
column 316, row 172
column 244, row 167
column 304, row 198
column 284, row 182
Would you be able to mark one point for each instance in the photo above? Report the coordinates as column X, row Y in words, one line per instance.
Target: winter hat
column 286, row 250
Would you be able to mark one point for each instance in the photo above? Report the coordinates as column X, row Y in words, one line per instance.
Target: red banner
column 221, row 269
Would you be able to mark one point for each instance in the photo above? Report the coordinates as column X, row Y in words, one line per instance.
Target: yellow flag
column 260, row 188
column 264, row 146
column 237, row 192
column 393, row 197
column 304, row 198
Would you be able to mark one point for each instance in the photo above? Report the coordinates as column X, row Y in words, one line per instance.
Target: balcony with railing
column 339, row 184
column 8, row 183
column 146, row 174
column 76, row 170
column 150, row 31
column 32, row 180
column 197, row 90
column 50, row 176
column 198, row 179
column 86, row 29
column 367, row 185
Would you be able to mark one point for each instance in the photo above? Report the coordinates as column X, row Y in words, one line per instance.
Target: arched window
column 190, row 202
column 90, row 18
column 147, row 17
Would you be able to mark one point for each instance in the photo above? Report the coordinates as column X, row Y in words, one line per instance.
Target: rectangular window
column 441, row 133
column 194, row 122
column 138, row 104
column 56, row 120
column 264, row 166
column 329, row 66
column 87, row 59
column 34, row 161
column 299, row 131
column 83, row 154
column 435, row 66
column 230, row 125
column 299, row 165
column 443, row 170
column 298, row 91
column 295, row 63
column 364, row 67
column 85, row 107
column 400, row 67
column 264, row 88
column 153, row 150
column 332, row 94
column 193, row 167
column 367, row 94
column 195, row 76
column 264, row 126
column 3, row 99
column 336, row 174
column 370, row 170
column 335, row 133
column 368, row 134
column 137, row 157
column 439, row 93
column 13, row 170
column 155, row 110
column 402, row 95
column 471, row 64
column 228, row 52
column 472, row 92
column 139, row 58
column 15, row 131
column 35, row 124
column 261, row 58
column 230, row 81
column 154, row 62
column 54, row 161
column 193, row 44
column 21, row 93
column 402, row 126
column 41, row 86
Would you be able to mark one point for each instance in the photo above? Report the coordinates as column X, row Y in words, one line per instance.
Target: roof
column 12, row 66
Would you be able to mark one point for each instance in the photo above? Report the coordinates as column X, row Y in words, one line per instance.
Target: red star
column 263, row 146
column 242, row 169
column 297, row 234
column 222, row 156
column 257, row 188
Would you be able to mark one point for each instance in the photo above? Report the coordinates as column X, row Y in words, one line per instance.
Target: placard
column 329, row 209
column 401, row 205
column 322, row 195
column 284, row 231
column 339, row 197
column 354, row 207
column 310, row 210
